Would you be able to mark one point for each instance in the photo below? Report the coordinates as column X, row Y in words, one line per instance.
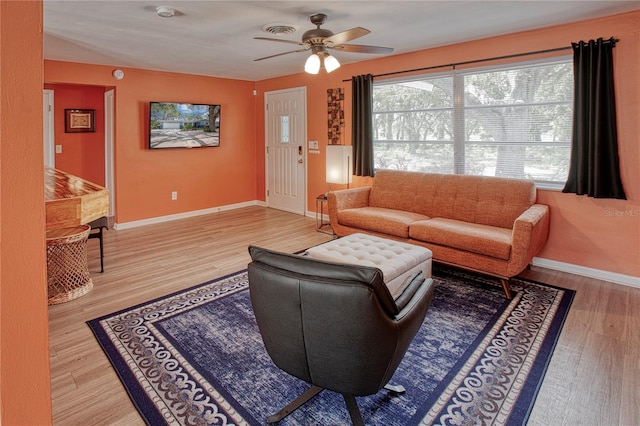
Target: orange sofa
column 484, row 224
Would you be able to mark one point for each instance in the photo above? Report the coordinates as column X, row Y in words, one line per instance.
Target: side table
column 321, row 224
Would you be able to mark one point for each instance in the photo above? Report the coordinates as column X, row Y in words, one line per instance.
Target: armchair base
column 350, row 401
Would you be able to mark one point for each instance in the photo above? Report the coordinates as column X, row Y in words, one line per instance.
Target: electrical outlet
column 174, row 195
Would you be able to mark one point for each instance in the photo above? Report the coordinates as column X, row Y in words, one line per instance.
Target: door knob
column 300, row 160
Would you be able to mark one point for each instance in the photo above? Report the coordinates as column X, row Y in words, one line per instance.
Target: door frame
column 109, row 140
column 49, row 129
column 303, row 90
column 109, row 155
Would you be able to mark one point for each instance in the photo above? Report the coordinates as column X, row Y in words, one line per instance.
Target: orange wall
column 594, row 233
column 584, row 231
column 204, row 177
column 598, row 234
column 25, row 397
column 82, row 153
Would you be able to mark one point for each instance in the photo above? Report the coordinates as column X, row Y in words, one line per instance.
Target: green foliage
column 160, row 111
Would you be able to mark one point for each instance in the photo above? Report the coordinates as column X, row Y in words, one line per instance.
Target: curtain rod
column 475, row 61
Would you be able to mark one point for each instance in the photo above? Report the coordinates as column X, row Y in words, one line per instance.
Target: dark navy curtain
column 594, row 169
column 361, row 127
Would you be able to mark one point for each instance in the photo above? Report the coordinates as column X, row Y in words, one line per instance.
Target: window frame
column 458, row 108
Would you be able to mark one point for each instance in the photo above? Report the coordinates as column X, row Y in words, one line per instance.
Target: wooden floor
column 593, row 378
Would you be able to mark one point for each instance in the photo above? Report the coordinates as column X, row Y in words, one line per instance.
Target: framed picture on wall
column 79, row 120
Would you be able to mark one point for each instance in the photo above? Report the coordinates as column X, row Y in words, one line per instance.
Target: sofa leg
column 506, row 287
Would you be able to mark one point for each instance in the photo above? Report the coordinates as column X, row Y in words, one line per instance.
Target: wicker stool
column 67, row 269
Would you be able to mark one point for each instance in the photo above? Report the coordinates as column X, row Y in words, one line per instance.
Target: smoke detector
column 279, row 29
column 165, row 11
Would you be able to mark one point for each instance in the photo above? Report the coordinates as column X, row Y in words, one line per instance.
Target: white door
column 48, row 136
column 286, row 132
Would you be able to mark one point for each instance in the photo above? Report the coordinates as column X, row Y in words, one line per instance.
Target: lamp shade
column 339, row 164
column 331, row 63
column 312, row 66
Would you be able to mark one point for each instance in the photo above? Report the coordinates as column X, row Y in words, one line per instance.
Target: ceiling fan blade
column 279, row 40
column 346, row 36
column 359, row 48
column 280, row 54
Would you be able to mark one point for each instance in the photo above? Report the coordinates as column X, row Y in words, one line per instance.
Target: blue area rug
column 196, row 357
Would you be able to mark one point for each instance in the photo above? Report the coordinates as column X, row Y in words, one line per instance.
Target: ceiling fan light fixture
column 320, row 41
column 312, row 65
column 331, row 63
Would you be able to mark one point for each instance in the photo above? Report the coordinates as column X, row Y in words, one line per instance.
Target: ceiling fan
column 320, row 40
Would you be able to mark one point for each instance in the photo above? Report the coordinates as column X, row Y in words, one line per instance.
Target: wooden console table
column 70, row 203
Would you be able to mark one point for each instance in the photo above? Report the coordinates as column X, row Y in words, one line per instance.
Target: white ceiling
column 215, row 38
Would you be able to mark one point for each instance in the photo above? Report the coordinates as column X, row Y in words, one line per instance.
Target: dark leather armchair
column 334, row 326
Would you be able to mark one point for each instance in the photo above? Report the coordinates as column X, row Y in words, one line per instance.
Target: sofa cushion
column 477, row 199
column 483, row 239
column 386, row 221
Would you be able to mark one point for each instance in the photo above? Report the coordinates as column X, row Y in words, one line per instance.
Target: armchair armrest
column 530, row 233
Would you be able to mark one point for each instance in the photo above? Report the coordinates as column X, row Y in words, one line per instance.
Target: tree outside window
column 509, row 122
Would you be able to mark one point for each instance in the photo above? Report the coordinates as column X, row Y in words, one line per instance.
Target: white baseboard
column 168, row 218
column 587, row 272
column 314, row 215
column 537, row 261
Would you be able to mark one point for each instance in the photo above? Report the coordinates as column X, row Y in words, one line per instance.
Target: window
column 284, row 129
column 512, row 121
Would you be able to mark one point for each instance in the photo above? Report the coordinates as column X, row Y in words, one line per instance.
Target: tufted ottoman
column 397, row 261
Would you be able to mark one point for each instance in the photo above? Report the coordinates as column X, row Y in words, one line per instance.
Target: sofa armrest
column 530, row 233
column 349, row 198
column 346, row 199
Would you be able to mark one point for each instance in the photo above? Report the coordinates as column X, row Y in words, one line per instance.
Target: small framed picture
column 79, row 120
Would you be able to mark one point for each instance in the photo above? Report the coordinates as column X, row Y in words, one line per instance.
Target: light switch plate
column 313, row 145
